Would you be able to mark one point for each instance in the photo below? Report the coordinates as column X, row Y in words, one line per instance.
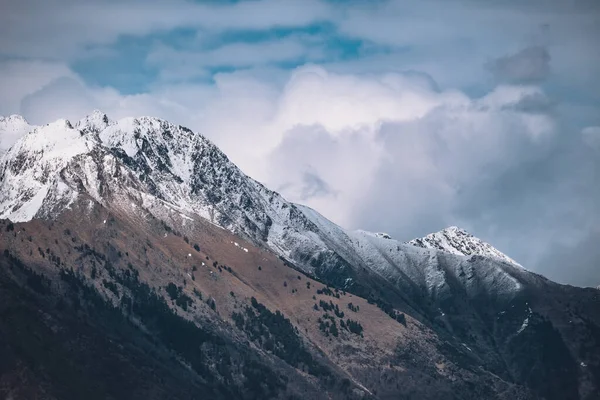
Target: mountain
column 455, row 240
column 12, row 128
column 124, row 229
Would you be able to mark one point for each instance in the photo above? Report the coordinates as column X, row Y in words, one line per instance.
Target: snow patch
column 455, row 240
column 525, row 323
column 186, row 217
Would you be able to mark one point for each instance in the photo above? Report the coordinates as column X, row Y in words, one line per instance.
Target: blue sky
column 398, row 116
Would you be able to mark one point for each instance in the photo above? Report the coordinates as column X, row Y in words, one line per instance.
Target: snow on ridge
column 13, row 118
column 380, row 235
column 55, row 141
column 455, row 240
column 31, row 167
column 95, row 122
column 177, row 164
column 150, row 164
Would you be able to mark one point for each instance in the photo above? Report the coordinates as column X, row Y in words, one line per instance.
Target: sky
column 392, row 116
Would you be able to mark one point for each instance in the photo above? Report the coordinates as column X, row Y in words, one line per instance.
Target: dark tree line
column 275, row 333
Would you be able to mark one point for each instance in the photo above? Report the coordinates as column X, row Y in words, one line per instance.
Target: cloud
column 182, row 65
column 21, row 78
column 581, row 270
column 453, row 43
column 344, row 165
column 45, row 28
column 531, row 64
column 313, row 186
column 42, row 105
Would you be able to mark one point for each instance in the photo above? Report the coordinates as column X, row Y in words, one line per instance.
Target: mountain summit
column 455, row 240
column 147, row 159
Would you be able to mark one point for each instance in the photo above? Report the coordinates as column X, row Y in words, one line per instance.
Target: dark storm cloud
column 530, row 65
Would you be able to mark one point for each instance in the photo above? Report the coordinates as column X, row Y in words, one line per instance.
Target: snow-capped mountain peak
column 151, row 164
column 458, row 241
column 56, row 140
column 14, row 118
column 56, row 163
column 11, row 129
column 30, row 171
column 161, row 165
column 95, row 122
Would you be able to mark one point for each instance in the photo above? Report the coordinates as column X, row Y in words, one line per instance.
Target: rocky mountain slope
column 485, row 326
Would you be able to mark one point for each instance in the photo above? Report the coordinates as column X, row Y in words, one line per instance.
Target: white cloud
column 21, row 78
column 393, row 143
column 344, row 101
column 64, row 97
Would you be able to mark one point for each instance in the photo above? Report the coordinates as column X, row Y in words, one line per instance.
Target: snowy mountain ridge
column 455, row 240
column 141, row 165
column 171, row 155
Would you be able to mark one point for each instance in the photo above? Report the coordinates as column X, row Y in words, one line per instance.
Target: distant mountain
column 455, row 240
column 137, row 215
